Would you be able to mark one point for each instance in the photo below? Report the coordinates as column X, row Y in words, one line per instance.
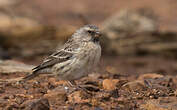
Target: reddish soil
column 126, row 94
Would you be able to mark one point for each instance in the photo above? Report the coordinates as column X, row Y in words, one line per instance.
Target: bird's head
column 88, row 33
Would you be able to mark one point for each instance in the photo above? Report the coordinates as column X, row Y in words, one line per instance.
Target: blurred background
column 139, row 36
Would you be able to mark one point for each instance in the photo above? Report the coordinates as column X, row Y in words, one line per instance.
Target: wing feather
column 57, row 57
column 62, row 55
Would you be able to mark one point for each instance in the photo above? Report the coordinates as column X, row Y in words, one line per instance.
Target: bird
column 75, row 59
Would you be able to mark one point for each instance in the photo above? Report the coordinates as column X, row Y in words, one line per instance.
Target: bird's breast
column 90, row 54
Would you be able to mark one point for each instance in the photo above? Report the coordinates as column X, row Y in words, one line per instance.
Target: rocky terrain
column 106, row 88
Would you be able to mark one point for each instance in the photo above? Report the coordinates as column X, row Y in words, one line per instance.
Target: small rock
column 58, row 94
column 110, row 84
column 98, row 108
column 77, row 97
column 129, row 21
column 163, row 103
column 175, row 93
column 134, row 85
column 36, row 104
column 57, row 83
column 152, row 106
column 10, row 66
column 120, row 31
column 160, row 83
column 121, row 100
column 150, row 76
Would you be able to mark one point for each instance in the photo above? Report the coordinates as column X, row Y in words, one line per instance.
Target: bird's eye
column 89, row 31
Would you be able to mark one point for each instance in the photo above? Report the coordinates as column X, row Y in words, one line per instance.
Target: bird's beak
column 97, row 34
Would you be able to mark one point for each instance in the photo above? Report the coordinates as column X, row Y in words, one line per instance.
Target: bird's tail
column 31, row 76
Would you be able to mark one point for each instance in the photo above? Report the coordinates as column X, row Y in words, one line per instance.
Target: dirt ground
column 119, row 83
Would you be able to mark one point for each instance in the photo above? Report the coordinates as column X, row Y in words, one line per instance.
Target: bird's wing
column 68, row 50
column 59, row 56
column 56, row 57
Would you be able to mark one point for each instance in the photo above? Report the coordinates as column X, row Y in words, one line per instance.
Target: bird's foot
column 76, row 87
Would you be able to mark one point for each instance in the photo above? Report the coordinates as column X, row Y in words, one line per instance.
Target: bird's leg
column 70, row 88
column 73, row 84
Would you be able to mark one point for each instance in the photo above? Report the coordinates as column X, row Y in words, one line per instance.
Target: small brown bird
column 80, row 54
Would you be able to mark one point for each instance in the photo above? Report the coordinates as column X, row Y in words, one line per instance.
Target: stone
column 129, row 21
column 36, row 104
column 10, row 66
column 136, row 85
column 18, row 33
column 77, row 97
column 175, row 92
column 55, row 82
column 166, row 81
column 110, row 84
column 57, row 94
column 149, row 76
column 136, row 32
column 120, row 31
column 163, row 103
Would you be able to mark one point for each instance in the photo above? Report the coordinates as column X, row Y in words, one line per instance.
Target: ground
column 119, row 83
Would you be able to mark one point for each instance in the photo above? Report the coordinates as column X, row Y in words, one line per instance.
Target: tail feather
column 31, row 76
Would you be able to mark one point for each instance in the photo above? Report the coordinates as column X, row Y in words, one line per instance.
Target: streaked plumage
column 75, row 59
